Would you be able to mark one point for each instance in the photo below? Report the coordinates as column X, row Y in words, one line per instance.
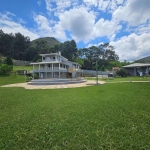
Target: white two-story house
column 54, row 65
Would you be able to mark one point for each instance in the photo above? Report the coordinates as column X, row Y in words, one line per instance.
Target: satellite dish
column 71, row 70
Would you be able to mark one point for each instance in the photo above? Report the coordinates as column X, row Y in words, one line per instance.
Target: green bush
column 121, row 72
column 8, row 61
column 5, row 69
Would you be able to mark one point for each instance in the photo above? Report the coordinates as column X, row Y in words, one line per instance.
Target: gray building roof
column 136, row 65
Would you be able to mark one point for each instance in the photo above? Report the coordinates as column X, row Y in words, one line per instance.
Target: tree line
column 19, row 47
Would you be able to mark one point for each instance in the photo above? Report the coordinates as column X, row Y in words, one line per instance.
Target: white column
column 39, row 67
column 134, row 71
column 52, row 72
column 147, row 70
column 33, row 71
column 59, row 70
column 39, row 70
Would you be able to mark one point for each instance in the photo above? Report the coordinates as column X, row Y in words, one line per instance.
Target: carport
column 138, row 69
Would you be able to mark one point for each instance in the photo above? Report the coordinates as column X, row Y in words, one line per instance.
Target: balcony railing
column 49, row 60
column 50, row 69
column 47, row 69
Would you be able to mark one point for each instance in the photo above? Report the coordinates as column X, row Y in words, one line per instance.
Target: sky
column 125, row 24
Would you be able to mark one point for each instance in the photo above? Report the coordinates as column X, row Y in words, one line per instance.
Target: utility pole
column 96, row 74
column 25, row 76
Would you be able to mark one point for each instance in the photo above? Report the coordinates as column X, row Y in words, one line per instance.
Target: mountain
column 143, row 60
column 49, row 41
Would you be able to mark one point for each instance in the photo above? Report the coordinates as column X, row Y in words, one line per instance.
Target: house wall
column 131, row 71
column 51, row 58
column 134, row 71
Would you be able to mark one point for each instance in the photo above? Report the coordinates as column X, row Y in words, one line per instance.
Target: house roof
column 73, row 62
column 136, row 65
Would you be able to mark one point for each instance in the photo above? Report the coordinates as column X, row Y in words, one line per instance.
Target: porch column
column 33, row 71
column 52, row 71
column 59, row 70
column 147, row 70
column 39, row 70
column 45, row 71
column 134, row 71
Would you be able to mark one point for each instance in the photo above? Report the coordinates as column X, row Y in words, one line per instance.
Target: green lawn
column 122, row 79
column 110, row 116
column 11, row 79
column 29, row 68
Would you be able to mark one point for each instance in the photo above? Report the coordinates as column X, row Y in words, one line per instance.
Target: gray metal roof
column 136, row 65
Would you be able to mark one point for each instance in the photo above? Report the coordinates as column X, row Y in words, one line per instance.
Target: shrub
column 5, row 69
column 8, row 61
column 121, row 72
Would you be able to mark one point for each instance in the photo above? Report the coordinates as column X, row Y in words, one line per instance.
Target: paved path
column 26, row 86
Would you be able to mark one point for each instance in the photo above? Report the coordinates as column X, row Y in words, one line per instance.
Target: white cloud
column 21, row 21
column 106, row 28
column 39, row 3
column 59, row 7
column 81, row 24
column 135, row 12
column 132, row 47
column 45, row 28
column 104, row 5
column 140, row 29
column 10, row 26
column 89, row 45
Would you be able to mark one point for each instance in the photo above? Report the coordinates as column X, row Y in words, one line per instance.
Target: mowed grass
column 110, row 116
column 11, row 79
column 29, row 68
column 122, row 79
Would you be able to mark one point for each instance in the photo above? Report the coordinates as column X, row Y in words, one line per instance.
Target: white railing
column 50, row 69
column 49, row 60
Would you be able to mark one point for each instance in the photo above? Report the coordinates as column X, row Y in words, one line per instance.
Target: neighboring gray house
column 138, row 69
column 54, row 65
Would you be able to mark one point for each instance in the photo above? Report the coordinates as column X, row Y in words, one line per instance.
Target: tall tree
column 69, row 50
column 8, row 61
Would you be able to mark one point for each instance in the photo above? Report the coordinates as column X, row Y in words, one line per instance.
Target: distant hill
column 50, row 41
column 143, row 60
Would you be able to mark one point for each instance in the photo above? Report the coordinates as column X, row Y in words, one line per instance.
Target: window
column 43, row 58
column 54, row 57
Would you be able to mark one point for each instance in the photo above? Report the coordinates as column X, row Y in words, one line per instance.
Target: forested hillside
column 143, row 60
column 19, row 47
column 47, row 41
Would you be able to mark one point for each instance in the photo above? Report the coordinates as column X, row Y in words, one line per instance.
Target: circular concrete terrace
column 56, row 81
column 54, row 86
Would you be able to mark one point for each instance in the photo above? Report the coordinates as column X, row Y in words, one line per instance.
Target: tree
column 69, row 50
column 30, row 53
column 20, row 45
column 8, row 61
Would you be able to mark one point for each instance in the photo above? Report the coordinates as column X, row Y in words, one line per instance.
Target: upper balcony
column 50, row 60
